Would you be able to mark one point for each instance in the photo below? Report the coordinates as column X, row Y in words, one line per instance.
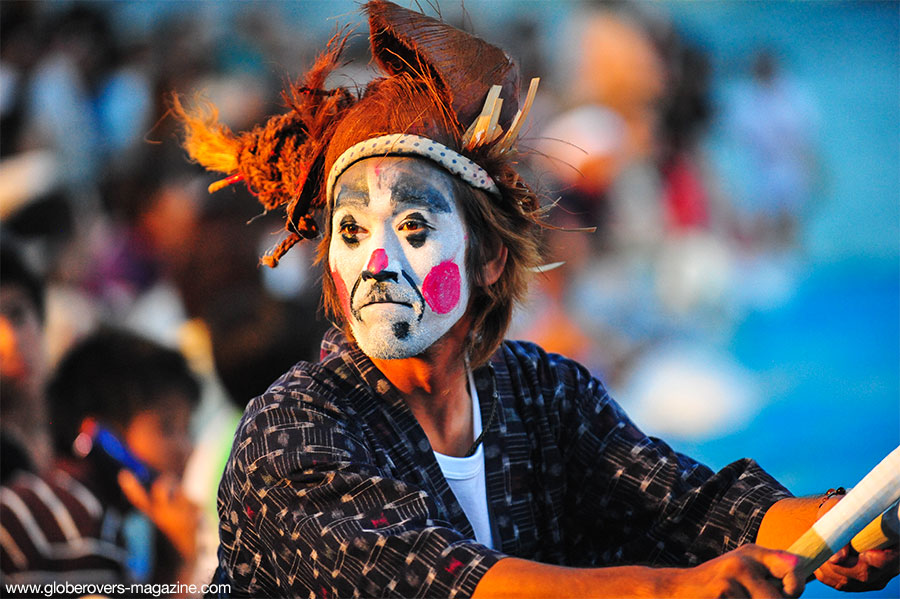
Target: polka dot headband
column 404, row 144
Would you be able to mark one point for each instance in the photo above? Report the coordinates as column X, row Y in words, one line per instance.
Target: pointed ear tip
column 376, row 9
column 445, row 49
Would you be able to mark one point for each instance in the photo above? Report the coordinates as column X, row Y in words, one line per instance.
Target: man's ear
column 493, row 268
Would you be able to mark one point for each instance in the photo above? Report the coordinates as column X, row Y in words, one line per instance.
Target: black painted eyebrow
column 406, row 195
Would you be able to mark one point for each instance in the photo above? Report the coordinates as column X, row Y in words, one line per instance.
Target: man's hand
column 168, row 508
column 855, row 572
column 870, row 570
column 748, row 571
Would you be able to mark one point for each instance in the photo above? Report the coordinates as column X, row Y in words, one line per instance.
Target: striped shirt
column 54, row 528
column 332, row 489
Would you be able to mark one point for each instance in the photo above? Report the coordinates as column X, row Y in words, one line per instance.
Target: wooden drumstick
column 875, row 492
column 882, row 532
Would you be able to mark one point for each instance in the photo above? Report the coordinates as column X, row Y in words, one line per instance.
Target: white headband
column 401, row 144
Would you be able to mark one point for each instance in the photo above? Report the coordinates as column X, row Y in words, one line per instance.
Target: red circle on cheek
column 441, row 287
column 341, row 288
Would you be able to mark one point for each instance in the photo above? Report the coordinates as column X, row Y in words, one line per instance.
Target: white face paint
column 397, row 254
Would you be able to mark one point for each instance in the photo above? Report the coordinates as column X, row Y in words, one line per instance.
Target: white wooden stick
column 874, row 493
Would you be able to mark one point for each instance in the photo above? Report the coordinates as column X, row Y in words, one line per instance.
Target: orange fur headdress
column 440, row 83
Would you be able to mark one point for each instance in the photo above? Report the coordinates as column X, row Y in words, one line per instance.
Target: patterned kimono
column 332, row 488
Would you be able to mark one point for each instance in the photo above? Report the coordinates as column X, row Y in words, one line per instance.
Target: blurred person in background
column 110, row 510
column 545, row 318
column 617, row 68
column 597, row 155
column 369, row 472
column 87, row 97
column 773, row 123
column 24, row 432
column 59, row 103
column 625, row 158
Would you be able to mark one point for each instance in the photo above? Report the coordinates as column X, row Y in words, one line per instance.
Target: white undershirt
column 466, row 478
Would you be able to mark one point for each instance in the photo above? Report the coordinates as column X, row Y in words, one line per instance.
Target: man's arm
column 848, row 570
column 787, row 519
column 648, row 503
column 748, row 571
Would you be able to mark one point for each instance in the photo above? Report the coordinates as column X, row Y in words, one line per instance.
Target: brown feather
column 207, row 141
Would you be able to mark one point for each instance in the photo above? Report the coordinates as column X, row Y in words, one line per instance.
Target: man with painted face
column 398, row 239
column 423, row 455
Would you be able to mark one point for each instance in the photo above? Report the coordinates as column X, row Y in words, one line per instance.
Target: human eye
column 416, row 228
column 350, row 231
column 413, row 225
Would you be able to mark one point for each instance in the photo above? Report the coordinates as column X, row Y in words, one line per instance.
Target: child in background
column 120, row 410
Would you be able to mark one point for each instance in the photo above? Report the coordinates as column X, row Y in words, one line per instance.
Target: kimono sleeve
column 306, row 512
column 647, row 502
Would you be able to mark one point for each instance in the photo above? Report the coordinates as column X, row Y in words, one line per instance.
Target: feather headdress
column 286, row 161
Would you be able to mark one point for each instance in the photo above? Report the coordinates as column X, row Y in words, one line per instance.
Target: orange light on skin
column 11, row 363
column 21, row 340
column 160, row 437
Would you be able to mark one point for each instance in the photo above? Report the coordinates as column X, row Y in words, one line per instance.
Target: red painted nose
column 377, row 262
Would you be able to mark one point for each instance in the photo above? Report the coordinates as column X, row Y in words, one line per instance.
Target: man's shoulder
column 308, row 396
column 306, row 385
column 523, row 349
column 306, row 416
column 529, row 357
column 30, row 489
column 526, row 369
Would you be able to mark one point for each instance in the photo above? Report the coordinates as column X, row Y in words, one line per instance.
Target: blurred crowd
column 678, row 258
column 120, row 244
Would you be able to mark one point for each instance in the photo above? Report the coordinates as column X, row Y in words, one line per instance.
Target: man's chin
column 393, row 340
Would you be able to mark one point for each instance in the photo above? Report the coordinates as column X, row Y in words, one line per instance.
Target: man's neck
column 25, row 420
column 434, row 385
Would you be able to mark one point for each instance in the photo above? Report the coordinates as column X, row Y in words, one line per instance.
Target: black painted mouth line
column 372, row 303
column 418, row 292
